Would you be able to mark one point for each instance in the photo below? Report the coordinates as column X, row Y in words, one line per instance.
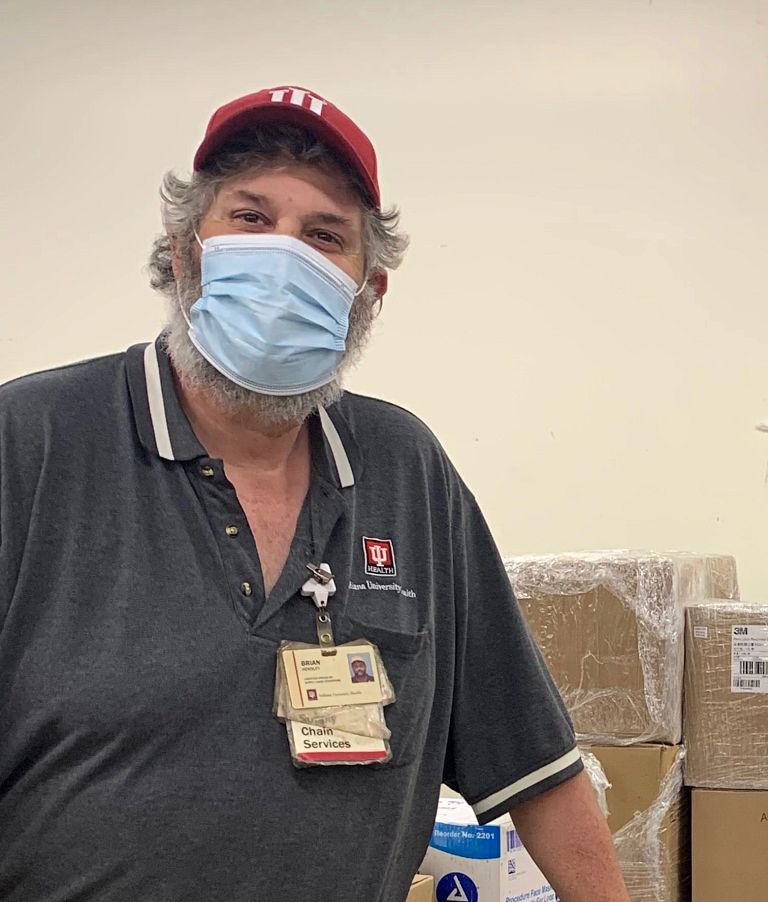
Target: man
column 360, row 671
column 158, row 512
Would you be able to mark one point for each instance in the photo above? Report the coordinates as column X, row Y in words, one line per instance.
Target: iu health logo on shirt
column 379, row 557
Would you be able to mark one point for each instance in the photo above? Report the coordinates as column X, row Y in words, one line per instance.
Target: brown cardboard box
column 610, row 627
column 726, row 696
column 730, row 845
column 422, row 889
column 648, row 818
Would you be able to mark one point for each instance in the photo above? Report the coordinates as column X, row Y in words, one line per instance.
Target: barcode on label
column 753, row 668
column 746, row 684
column 513, row 841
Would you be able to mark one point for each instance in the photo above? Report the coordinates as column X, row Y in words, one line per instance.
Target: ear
column 379, row 280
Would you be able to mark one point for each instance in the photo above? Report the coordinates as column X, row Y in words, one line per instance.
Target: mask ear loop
column 181, row 307
column 361, row 289
column 178, row 292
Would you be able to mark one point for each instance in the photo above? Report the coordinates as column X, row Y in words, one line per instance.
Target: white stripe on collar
column 156, row 403
column 163, row 438
column 343, row 467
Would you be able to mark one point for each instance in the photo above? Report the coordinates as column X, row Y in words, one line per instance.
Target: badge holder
column 332, row 697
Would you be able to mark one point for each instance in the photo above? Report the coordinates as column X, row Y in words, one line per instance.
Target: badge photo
column 379, row 557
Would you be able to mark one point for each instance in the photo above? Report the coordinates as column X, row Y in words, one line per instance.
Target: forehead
column 295, row 186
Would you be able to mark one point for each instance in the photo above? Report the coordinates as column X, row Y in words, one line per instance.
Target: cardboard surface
column 610, row 627
column 636, row 773
column 648, row 818
column 730, row 845
column 590, row 644
column 726, row 731
column 422, row 889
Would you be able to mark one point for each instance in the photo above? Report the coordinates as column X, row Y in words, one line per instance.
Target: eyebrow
column 242, row 194
column 320, row 216
column 329, row 219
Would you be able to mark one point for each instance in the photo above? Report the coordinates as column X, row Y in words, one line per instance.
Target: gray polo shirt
column 139, row 757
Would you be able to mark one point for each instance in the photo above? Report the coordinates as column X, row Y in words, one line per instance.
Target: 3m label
column 749, row 659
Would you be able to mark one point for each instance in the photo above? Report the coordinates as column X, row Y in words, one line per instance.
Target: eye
column 250, row 217
column 327, row 239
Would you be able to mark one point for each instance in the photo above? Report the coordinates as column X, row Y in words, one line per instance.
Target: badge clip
column 321, row 574
column 319, row 588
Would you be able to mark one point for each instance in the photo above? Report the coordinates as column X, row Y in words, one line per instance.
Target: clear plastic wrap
column 726, row 696
column 652, row 847
column 651, row 843
column 597, row 777
column 610, row 627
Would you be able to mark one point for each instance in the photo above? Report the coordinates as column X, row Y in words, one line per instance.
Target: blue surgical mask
column 274, row 313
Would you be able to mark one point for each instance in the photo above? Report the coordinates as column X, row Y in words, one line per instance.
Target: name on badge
column 350, row 677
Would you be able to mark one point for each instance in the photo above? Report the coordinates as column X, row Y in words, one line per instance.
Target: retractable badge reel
column 332, row 697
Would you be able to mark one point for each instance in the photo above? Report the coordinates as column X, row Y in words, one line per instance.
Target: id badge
column 333, row 706
column 331, row 697
column 350, row 677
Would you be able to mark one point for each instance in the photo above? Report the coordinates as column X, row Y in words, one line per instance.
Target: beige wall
column 581, row 317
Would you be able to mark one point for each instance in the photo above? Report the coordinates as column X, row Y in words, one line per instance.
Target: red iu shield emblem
column 379, row 557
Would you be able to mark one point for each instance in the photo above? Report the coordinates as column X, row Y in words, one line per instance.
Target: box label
column 749, row 659
column 467, row 840
column 701, row 632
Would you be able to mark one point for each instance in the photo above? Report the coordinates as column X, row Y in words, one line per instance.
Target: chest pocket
column 410, row 662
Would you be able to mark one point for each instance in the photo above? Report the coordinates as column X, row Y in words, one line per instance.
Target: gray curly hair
column 185, row 202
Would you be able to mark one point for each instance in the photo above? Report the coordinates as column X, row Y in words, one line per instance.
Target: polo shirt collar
column 165, row 431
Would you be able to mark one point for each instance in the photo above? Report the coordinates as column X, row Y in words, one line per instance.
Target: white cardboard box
column 481, row 864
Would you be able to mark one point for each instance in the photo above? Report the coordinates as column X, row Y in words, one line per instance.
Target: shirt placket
column 320, row 513
column 232, row 535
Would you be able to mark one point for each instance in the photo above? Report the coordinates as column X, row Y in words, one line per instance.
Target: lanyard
column 319, row 587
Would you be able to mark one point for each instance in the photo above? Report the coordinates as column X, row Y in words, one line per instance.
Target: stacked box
column 422, row 889
column 726, row 725
column 648, row 817
column 730, row 845
column 726, row 696
column 610, row 627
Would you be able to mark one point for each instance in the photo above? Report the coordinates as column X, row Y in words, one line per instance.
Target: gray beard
column 198, row 375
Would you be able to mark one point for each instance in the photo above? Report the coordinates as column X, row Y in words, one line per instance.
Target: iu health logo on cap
column 379, row 557
column 456, row 887
column 299, row 97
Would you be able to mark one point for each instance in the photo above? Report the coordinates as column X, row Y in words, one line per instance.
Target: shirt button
column 231, row 530
column 207, row 471
column 246, row 589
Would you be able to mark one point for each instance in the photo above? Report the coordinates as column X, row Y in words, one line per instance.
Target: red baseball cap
column 301, row 107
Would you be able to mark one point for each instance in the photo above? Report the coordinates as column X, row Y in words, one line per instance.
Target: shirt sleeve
column 511, row 737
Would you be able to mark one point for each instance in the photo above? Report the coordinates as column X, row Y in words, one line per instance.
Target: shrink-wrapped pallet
column 610, row 627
